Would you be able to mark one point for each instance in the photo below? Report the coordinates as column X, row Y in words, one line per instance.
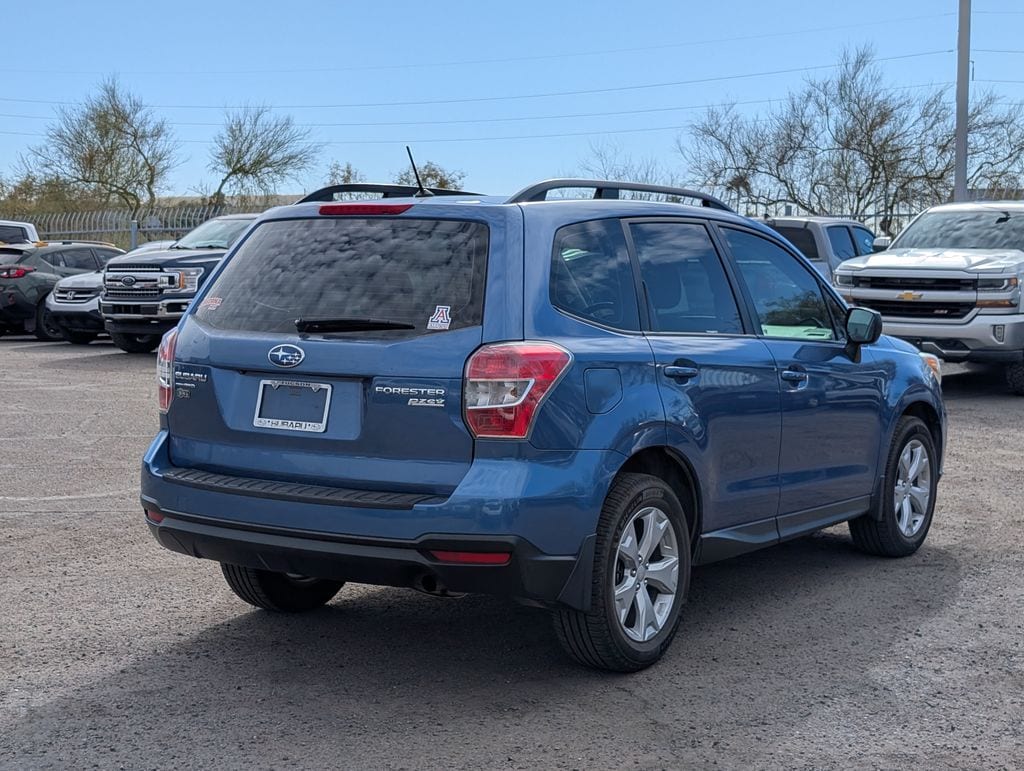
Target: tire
column 79, row 338
column 885, row 537
column 278, row 591
column 46, row 329
column 597, row 638
column 135, row 343
column 1015, row 378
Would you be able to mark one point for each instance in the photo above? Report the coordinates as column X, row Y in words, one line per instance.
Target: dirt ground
column 117, row 654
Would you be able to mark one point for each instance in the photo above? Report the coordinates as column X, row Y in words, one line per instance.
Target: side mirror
column 881, row 243
column 863, row 326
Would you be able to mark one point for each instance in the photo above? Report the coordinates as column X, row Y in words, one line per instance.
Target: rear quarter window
column 802, row 239
column 404, row 270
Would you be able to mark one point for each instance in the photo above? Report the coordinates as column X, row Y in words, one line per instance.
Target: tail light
column 165, row 369
column 505, row 384
column 12, row 271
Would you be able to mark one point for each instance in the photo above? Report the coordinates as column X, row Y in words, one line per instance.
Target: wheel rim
column 646, row 574
column 50, row 326
column 913, row 488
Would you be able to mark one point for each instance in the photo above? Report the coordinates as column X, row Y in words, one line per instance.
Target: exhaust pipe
column 430, row 584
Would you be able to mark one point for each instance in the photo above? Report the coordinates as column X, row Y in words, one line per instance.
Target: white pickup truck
column 12, row 232
column 951, row 284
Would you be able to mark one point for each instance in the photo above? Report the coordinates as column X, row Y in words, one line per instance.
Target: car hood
column 92, row 280
column 169, row 258
column 939, row 259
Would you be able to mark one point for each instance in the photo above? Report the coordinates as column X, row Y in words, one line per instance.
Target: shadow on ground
column 386, row 677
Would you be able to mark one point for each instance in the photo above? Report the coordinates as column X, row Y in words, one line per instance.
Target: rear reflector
column 473, row 557
column 154, row 516
column 364, row 209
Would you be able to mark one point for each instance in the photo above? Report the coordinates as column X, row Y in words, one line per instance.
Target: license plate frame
column 286, row 424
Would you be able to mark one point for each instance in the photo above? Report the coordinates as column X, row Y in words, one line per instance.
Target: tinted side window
column 686, row 286
column 842, row 244
column 787, row 298
column 802, row 239
column 591, row 276
column 103, row 255
column 864, row 240
column 11, row 234
column 80, row 259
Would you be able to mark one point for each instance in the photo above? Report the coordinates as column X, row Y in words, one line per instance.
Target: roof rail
column 605, row 188
column 386, row 191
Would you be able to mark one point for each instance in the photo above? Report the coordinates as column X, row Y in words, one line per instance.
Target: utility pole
column 963, row 71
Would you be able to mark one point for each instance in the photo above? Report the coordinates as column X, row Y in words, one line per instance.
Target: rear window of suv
column 426, row 273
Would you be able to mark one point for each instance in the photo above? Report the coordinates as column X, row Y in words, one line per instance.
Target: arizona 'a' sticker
column 211, row 303
column 442, row 318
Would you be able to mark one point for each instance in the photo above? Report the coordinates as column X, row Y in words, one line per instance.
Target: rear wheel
column 47, row 328
column 907, row 499
column 640, row 579
column 1015, row 377
column 280, row 592
column 135, row 343
column 79, row 338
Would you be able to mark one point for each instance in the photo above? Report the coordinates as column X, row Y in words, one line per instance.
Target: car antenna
column 422, row 192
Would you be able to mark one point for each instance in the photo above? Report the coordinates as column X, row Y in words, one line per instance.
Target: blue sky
column 464, row 64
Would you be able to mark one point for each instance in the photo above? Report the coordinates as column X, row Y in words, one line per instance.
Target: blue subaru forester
column 568, row 402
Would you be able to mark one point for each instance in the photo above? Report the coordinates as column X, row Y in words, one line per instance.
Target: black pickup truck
column 144, row 295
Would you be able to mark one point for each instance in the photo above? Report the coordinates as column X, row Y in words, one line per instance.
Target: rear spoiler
column 326, row 194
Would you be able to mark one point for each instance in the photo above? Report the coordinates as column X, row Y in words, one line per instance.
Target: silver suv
column 951, row 284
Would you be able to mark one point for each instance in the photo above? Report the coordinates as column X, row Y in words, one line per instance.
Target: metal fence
column 120, row 227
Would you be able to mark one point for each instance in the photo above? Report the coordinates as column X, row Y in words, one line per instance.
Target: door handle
column 677, row 372
column 794, row 376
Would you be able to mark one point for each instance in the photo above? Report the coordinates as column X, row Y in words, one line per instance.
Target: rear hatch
column 330, row 350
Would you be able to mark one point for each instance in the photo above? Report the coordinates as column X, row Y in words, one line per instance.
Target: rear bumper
column 15, row 308
column 542, row 508
column 529, row 574
column 975, row 340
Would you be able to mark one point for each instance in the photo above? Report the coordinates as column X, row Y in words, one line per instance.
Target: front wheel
column 900, row 523
column 1015, row 378
column 640, row 579
column 47, row 328
column 135, row 343
column 281, row 592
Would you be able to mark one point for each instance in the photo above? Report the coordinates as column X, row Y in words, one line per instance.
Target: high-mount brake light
column 364, row 209
column 165, row 370
column 19, row 271
column 505, row 384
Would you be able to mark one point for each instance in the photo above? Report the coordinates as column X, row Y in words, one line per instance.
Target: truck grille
column 132, row 292
column 918, row 310
column 136, row 269
column 914, row 282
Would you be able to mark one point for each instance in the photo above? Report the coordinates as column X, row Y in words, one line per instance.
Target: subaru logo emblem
column 286, row 355
column 128, row 280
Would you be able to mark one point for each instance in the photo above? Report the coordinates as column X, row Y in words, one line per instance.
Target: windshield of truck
column 215, row 234
column 988, row 228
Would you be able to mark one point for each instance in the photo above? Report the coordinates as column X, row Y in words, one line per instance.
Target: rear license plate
column 293, row 405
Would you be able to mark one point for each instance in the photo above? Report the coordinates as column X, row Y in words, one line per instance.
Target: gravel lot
column 117, row 654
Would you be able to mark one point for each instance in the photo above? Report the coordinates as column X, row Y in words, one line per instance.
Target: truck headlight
column 934, row 364
column 843, row 279
column 998, row 284
column 188, row 279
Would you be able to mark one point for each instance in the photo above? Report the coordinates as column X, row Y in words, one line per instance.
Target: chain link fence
column 119, row 227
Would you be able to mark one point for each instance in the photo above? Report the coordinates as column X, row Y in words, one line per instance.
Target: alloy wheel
column 913, row 488
column 646, row 574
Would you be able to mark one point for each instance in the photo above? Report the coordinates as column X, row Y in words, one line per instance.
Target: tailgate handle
column 677, row 372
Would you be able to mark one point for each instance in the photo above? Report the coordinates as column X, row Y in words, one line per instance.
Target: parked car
column 951, row 284
column 566, row 402
column 12, row 232
column 145, row 295
column 29, row 271
column 825, row 241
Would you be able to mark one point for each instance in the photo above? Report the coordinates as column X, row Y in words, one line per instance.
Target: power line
column 503, row 60
column 999, row 50
column 476, row 99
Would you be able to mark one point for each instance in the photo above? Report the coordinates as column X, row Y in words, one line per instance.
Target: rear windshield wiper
column 348, row 324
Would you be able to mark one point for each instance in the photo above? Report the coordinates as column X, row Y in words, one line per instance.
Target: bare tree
column 850, row 145
column 433, row 175
column 256, row 150
column 111, row 142
column 607, row 160
column 339, row 173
